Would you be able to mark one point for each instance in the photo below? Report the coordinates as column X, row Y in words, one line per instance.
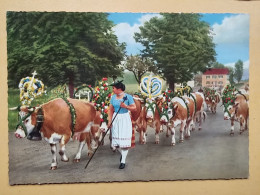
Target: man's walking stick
column 124, row 99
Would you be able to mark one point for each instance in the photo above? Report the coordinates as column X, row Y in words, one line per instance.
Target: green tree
column 63, row 47
column 238, row 73
column 231, row 75
column 139, row 66
column 217, row 65
column 180, row 45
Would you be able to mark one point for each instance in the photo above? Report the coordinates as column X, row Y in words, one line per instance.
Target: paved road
column 210, row 154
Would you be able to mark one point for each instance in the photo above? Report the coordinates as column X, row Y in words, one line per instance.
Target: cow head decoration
column 26, row 121
column 167, row 112
column 230, row 110
column 150, row 106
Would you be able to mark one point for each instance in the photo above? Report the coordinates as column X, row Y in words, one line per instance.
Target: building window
column 220, row 82
column 207, row 82
column 207, row 77
column 214, row 76
column 220, row 76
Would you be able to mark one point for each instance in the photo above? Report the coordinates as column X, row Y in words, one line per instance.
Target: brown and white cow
column 181, row 111
column 149, row 116
column 199, row 110
column 214, row 102
column 239, row 111
column 57, row 125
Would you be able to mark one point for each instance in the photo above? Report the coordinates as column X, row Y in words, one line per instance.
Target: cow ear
column 175, row 106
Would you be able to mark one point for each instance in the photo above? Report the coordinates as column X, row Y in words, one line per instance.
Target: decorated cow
column 236, row 107
column 57, row 121
column 180, row 111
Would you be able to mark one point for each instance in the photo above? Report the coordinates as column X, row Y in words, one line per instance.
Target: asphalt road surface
column 209, row 154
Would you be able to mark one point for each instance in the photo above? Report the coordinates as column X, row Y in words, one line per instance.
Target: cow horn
column 14, row 108
column 31, row 109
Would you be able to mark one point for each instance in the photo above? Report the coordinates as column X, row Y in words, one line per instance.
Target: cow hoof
column 240, row 132
column 181, row 141
column 76, row 160
column 167, row 135
column 65, row 160
column 231, row 133
column 53, row 168
column 187, row 137
column 172, row 144
column 199, row 128
column 156, row 142
column 90, row 154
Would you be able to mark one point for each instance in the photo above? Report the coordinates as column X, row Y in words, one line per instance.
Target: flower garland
column 60, row 91
column 84, row 86
column 229, row 96
column 30, row 88
column 183, row 90
column 73, row 115
column 101, row 99
column 210, row 93
column 168, row 95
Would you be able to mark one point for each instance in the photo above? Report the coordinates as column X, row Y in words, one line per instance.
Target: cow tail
column 204, row 115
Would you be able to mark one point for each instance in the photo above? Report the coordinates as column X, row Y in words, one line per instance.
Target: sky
column 230, row 34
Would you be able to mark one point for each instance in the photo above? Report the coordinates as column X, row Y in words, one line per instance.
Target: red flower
column 104, row 79
column 89, row 85
column 102, row 120
column 98, row 89
column 169, row 100
column 228, row 98
column 106, row 110
column 109, row 95
column 106, row 89
column 95, row 104
column 104, row 85
column 169, row 91
column 231, row 101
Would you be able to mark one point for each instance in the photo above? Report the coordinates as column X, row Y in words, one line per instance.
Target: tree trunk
column 171, row 85
column 71, row 86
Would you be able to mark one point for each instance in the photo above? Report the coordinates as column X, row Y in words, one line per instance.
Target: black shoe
column 122, row 166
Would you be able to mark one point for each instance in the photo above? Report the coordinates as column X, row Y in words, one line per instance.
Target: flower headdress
column 101, row 98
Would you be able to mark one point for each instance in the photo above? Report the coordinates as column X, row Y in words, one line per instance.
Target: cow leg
column 187, row 129
column 161, row 128
column 63, row 156
column 64, row 140
column 173, row 136
column 232, row 127
column 78, row 155
column 200, row 119
column 54, row 158
column 167, row 130
column 242, row 125
column 183, row 123
column 157, row 131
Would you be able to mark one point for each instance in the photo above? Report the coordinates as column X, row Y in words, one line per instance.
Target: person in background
column 121, row 129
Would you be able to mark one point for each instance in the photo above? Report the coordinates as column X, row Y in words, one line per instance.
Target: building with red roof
column 215, row 78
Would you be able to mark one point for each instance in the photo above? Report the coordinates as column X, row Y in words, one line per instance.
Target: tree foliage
column 218, row 65
column 180, row 45
column 231, row 75
column 139, row 66
column 63, row 47
column 238, row 72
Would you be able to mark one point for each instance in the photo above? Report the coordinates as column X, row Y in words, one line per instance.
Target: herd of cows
column 170, row 110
